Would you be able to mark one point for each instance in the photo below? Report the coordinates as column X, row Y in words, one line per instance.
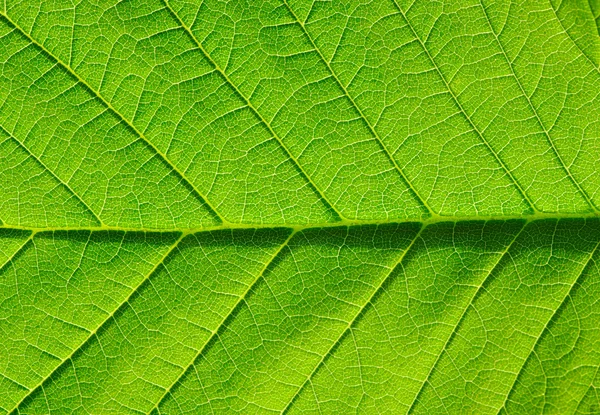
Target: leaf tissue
column 300, row 207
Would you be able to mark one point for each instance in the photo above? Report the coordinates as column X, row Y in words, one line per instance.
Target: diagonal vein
column 535, row 112
column 121, row 117
column 214, row 333
column 462, row 110
column 461, row 318
column 587, row 390
column 585, row 55
column 548, row 323
column 372, row 130
column 18, row 251
column 93, row 333
column 254, row 110
column 354, row 319
column 65, row 184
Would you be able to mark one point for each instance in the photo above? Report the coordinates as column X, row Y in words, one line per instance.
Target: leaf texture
column 293, row 206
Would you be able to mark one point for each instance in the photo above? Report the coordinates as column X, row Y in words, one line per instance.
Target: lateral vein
column 93, row 333
column 62, row 182
column 563, row 302
column 461, row 318
column 535, row 112
column 372, row 130
column 255, row 111
column 121, row 117
column 462, row 110
column 214, row 333
column 354, row 319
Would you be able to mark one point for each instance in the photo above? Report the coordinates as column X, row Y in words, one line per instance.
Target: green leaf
column 294, row 206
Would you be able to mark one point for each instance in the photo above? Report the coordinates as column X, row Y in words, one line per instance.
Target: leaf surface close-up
column 300, row 207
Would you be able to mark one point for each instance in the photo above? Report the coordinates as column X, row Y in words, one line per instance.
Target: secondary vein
column 223, row 322
column 461, row 318
column 62, row 182
column 372, row 130
column 121, row 117
column 563, row 302
column 354, row 319
column 535, row 112
column 254, row 110
column 462, row 110
column 91, row 335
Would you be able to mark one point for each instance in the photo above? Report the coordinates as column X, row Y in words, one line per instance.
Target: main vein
column 319, row 225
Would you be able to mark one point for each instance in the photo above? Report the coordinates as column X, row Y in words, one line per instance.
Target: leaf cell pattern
column 293, row 206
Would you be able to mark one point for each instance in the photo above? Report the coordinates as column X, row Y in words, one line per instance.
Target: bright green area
column 298, row 206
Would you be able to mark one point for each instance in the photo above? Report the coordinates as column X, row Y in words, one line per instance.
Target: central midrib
column 301, row 227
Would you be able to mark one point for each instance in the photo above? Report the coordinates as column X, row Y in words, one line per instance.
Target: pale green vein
column 595, row 14
column 372, row 130
column 9, row 260
column 13, row 382
column 18, row 251
column 354, row 319
column 591, row 385
column 460, row 107
column 571, row 37
column 535, row 112
column 461, row 318
column 254, row 110
column 65, row 184
column 547, row 325
column 297, row 228
column 214, row 333
column 121, row 117
column 93, row 333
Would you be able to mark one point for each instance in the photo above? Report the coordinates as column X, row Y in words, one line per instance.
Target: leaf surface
column 294, row 206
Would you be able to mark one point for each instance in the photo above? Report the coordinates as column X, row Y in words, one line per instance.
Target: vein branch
column 249, row 104
column 353, row 321
column 464, row 112
column 223, row 322
column 65, row 184
column 121, row 117
column 18, row 251
column 372, row 130
column 562, row 304
column 535, row 112
column 93, row 333
column 461, row 318
column 585, row 55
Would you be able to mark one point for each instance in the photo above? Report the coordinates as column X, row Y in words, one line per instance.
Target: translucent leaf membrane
column 478, row 316
column 294, row 206
column 304, row 112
